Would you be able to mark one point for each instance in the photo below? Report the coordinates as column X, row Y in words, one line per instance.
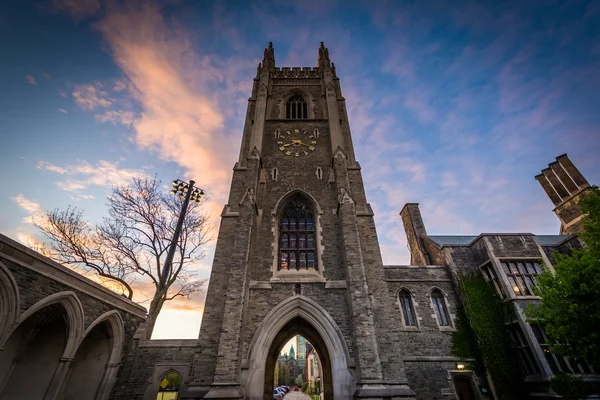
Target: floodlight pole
column 169, row 261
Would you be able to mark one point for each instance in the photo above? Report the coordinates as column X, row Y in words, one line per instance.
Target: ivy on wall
column 482, row 335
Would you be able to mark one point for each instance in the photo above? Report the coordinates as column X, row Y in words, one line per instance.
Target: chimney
column 565, row 186
column 415, row 229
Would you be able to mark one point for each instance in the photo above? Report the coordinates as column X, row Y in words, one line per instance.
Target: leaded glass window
column 522, row 276
column 439, row 305
column 296, row 108
column 408, row 311
column 296, row 236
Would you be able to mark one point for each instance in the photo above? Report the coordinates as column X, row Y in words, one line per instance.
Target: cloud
column 28, row 205
column 116, row 117
column 32, row 207
column 51, row 167
column 62, row 110
column 91, row 96
column 31, row 80
column 77, row 9
column 173, row 85
column 84, row 174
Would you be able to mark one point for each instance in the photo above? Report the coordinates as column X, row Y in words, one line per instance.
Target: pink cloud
column 91, row 96
column 31, row 80
column 180, row 119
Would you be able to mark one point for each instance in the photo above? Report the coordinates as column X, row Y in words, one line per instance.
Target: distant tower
column 565, row 186
column 292, row 354
column 301, row 347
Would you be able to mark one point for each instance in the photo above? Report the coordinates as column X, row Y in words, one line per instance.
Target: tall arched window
column 439, row 305
column 408, row 311
column 297, row 236
column 296, row 108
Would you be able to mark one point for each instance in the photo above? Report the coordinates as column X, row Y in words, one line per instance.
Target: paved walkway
column 295, row 396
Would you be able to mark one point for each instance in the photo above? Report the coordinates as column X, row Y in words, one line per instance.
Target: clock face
column 295, row 142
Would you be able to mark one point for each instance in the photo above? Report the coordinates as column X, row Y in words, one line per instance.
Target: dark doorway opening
column 463, row 386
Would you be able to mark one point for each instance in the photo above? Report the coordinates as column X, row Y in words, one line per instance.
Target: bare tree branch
column 133, row 240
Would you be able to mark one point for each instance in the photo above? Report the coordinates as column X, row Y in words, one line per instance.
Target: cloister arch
column 74, row 317
column 298, row 315
column 9, row 303
column 92, row 371
column 33, row 352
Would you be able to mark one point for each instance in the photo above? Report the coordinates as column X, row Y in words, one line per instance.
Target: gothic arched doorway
column 298, row 326
column 298, row 315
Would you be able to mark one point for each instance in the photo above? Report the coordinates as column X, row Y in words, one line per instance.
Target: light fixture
column 460, row 366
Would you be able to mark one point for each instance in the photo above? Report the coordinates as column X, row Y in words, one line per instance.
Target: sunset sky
column 454, row 105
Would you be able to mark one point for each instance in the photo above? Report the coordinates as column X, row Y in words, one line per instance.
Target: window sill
column 410, row 329
column 293, row 275
column 446, row 329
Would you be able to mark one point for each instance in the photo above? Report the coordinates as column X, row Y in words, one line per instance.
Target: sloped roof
column 453, row 240
column 449, row 240
column 552, row 240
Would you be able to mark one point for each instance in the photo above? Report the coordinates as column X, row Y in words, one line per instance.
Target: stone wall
column 147, row 363
column 34, row 291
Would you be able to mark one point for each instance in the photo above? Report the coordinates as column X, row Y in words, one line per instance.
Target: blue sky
column 455, row 105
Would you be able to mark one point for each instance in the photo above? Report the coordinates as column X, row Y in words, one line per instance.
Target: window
column 439, row 305
column 274, row 174
column 319, row 173
column 316, row 133
column 169, row 386
column 557, row 363
column 408, row 311
column 296, row 236
column 525, row 357
column 490, row 276
column 296, row 108
column 521, row 276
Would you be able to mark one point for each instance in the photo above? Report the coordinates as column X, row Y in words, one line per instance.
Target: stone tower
column 297, row 251
column 565, row 186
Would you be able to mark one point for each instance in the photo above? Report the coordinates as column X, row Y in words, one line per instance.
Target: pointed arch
column 116, row 330
column 319, row 320
column 9, row 302
column 305, row 94
column 75, row 317
column 287, row 196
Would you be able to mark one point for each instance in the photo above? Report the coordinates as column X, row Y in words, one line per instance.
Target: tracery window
column 297, row 236
column 296, row 108
column 439, row 305
column 408, row 310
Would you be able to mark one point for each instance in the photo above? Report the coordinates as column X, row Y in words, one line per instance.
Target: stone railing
column 297, row 72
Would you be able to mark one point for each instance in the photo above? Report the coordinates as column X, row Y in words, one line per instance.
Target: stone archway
column 301, row 315
column 298, row 326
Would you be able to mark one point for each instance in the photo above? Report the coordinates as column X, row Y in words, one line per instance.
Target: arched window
column 439, row 305
column 169, row 386
column 296, row 236
column 296, row 108
column 408, row 311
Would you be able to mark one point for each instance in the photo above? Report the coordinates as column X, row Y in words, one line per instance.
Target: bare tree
column 132, row 242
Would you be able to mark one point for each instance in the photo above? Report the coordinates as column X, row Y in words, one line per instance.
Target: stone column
column 108, row 381
column 365, row 289
column 59, row 378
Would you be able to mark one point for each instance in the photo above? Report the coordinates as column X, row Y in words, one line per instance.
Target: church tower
column 297, row 251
